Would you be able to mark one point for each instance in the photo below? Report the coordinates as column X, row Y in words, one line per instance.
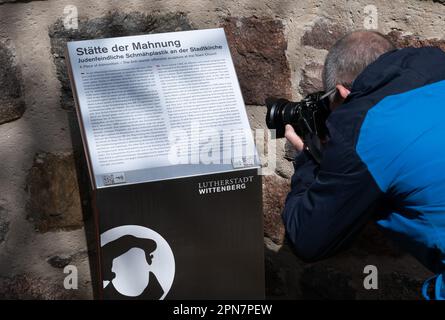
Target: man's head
column 126, row 263
column 119, row 247
column 348, row 58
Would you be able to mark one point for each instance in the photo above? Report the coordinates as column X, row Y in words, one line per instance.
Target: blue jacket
column 387, row 142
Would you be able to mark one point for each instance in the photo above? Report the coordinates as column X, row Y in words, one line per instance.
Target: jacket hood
column 393, row 73
column 399, row 71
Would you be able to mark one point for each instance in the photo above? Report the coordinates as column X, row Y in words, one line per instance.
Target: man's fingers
column 293, row 138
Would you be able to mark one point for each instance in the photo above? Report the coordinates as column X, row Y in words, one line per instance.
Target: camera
column 307, row 117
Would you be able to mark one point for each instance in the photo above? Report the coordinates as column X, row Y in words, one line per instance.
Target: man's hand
column 293, row 138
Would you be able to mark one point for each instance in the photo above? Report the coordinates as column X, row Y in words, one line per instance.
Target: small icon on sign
column 119, row 177
column 243, row 162
column 250, row 161
column 237, row 163
column 114, row 178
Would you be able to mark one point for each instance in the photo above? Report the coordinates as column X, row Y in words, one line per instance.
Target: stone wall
column 278, row 48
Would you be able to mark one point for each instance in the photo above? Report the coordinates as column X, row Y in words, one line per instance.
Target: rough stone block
column 289, row 151
column 11, row 1
column 395, row 286
column 344, row 280
column 54, row 199
column 258, row 48
column 12, row 105
column 282, row 271
column 275, row 190
column 114, row 24
column 59, row 261
column 4, row 224
column 311, row 78
column 414, row 41
column 324, row 282
column 28, row 287
column 372, row 241
column 323, row 34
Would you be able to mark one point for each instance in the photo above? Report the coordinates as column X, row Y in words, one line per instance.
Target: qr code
column 113, row 178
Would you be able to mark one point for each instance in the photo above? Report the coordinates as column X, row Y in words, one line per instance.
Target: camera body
column 307, row 117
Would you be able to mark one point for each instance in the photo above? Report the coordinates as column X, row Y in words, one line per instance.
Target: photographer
column 386, row 145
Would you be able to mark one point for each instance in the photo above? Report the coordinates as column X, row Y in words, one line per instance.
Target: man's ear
column 343, row 91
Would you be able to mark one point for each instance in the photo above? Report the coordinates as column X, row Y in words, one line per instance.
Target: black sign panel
column 193, row 238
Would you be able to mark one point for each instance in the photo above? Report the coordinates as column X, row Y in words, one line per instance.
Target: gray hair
column 351, row 55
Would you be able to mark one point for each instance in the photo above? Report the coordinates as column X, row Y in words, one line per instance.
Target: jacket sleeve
column 328, row 204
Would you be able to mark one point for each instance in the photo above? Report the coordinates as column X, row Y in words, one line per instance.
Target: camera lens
column 279, row 113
